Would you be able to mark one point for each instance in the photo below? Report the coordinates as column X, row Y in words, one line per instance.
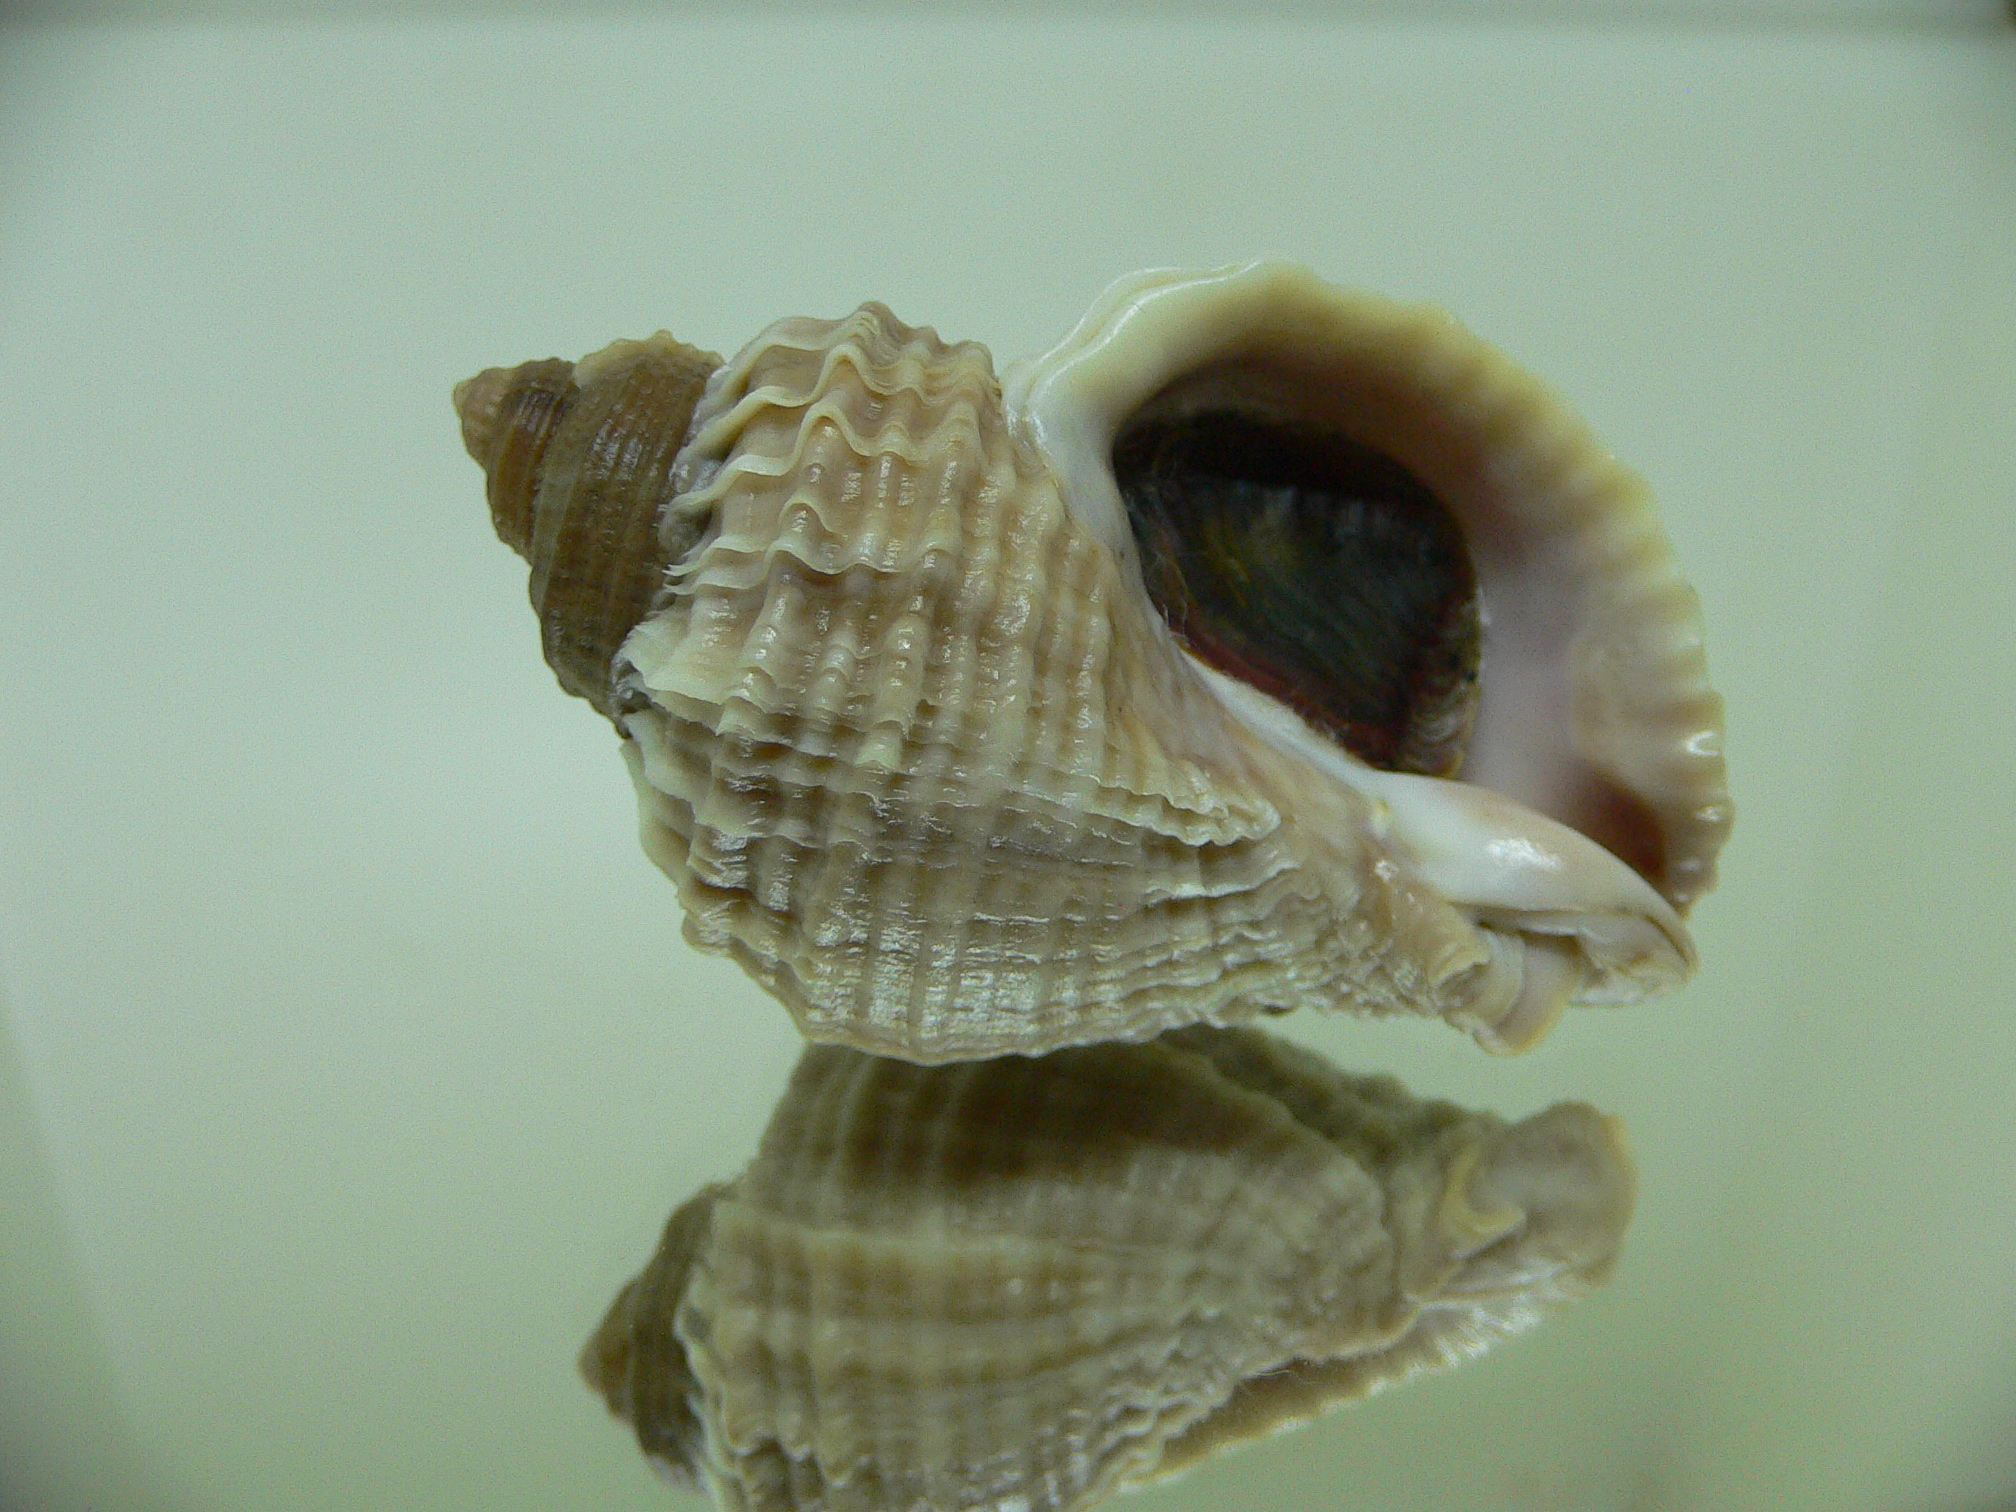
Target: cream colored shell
column 921, row 754
column 1025, row 1283
column 924, row 758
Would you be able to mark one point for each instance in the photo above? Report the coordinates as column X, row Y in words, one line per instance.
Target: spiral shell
column 1026, row 1283
column 926, row 754
column 579, row 461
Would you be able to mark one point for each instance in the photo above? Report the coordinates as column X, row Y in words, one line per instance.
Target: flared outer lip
column 1596, row 701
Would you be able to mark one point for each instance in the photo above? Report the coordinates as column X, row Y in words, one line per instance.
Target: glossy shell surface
column 921, row 753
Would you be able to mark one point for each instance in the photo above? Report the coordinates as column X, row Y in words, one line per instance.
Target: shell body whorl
column 923, row 762
column 929, row 755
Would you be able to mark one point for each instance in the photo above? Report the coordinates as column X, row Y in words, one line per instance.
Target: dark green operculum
column 1315, row 569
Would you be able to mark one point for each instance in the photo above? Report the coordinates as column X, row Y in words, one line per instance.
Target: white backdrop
column 350, row 1055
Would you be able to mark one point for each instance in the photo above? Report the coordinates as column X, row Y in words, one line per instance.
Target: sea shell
column 938, row 751
column 1028, row 1282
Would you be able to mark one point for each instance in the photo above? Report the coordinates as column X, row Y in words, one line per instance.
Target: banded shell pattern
column 1028, row 1282
column 923, row 754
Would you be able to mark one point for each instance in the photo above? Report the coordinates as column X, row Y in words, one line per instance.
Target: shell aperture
column 1314, row 569
column 1031, row 1282
column 955, row 765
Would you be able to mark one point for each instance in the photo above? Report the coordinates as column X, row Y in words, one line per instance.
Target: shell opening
column 1314, row 568
column 1591, row 707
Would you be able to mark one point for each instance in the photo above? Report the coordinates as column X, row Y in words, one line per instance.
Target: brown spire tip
column 480, row 403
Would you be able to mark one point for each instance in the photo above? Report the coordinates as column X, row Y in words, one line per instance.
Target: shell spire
column 578, row 457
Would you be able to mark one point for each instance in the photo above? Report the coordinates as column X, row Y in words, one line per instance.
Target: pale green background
column 350, row 1057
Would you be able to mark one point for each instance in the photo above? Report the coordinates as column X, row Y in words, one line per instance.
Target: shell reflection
column 1027, row 1283
column 1259, row 646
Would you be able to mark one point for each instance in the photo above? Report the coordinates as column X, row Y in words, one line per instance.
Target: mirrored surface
column 352, row 1054
column 1030, row 1282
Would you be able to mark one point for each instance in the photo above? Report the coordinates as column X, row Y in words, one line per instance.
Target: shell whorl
column 578, row 457
column 920, row 763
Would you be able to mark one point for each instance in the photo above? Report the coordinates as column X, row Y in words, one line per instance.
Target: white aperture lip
column 1593, row 798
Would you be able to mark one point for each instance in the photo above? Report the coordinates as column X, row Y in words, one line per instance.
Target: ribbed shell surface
column 922, row 760
column 1023, row 1283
